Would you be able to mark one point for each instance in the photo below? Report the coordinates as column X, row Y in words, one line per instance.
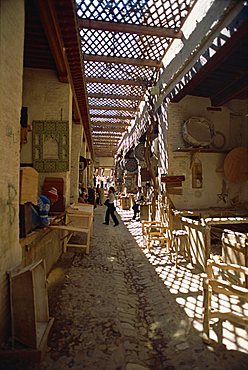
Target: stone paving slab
column 124, row 308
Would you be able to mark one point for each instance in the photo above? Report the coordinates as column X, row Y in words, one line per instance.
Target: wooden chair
column 220, row 285
column 158, row 232
column 146, row 224
column 77, row 222
column 86, row 216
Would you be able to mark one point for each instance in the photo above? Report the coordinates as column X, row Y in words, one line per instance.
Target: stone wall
column 11, row 69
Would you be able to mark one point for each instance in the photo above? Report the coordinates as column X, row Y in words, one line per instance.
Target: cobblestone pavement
column 122, row 308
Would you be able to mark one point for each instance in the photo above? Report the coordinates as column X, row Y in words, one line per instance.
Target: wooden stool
column 179, row 237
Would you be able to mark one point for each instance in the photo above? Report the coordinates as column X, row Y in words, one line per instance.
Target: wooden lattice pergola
column 123, row 43
column 111, row 51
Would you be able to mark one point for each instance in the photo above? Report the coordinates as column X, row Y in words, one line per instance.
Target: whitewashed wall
column 46, row 99
column 179, row 163
column 11, row 69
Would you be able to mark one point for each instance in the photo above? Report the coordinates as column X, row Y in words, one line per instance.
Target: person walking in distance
column 137, row 200
column 110, row 204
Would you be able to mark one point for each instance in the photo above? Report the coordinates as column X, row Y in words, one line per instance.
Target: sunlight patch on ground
column 186, row 284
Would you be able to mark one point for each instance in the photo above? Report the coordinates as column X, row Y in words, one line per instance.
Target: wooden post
column 206, row 310
column 246, row 260
column 207, row 243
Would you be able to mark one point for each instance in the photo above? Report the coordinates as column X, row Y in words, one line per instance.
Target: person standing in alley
column 110, row 204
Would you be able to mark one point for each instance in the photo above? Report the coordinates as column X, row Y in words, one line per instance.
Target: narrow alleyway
column 121, row 308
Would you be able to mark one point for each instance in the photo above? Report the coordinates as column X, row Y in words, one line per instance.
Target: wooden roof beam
column 230, row 91
column 111, row 150
column 105, row 143
column 106, row 116
column 108, row 149
column 119, row 60
column 140, row 83
column 109, row 153
column 109, row 136
column 117, row 130
column 111, row 144
column 105, row 149
column 99, row 125
column 106, row 153
column 59, row 23
column 100, row 137
column 103, row 131
column 108, row 125
column 112, row 96
column 51, row 28
column 117, row 133
column 104, row 140
column 129, row 28
column 106, row 107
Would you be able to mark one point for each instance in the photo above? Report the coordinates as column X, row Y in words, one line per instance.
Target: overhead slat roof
column 110, row 51
column 123, row 43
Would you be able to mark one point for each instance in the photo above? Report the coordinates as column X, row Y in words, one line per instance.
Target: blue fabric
column 40, row 212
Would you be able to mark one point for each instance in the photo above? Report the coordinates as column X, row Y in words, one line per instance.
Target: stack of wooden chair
column 159, row 233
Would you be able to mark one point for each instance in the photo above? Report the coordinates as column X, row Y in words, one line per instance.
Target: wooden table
column 79, row 219
column 82, row 207
column 200, row 234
